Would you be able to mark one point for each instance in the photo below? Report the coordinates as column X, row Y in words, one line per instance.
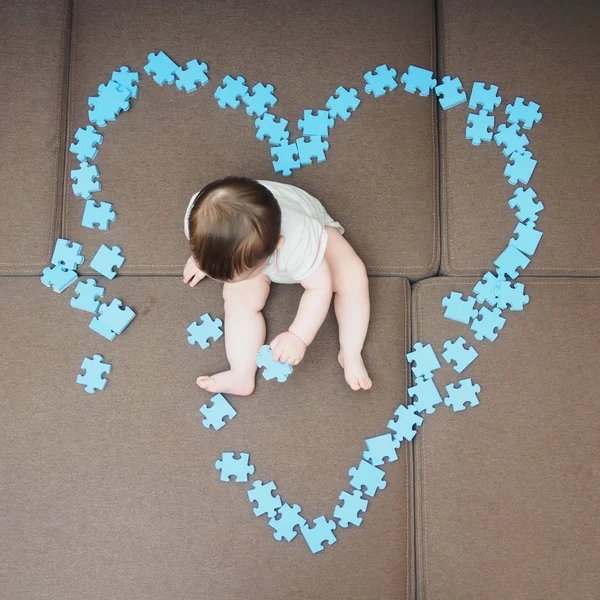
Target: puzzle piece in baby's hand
column 230, row 91
column 367, row 476
column 94, row 369
column 524, row 200
column 487, row 98
column 487, row 290
column 485, row 326
column 381, row 80
column 106, row 258
column 427, row 393
column 458, row 309
column 273, row 369
column 162, row 66
column 340, row 105
column 482, row 128
column 512, row 295
column 58, row 278
column 448, row 92
column 348, row 512
column 510, row 261
column 314, row 148
column 115, row 316
column 466, row 392
column 528, row 113
column 456, row 351
column 418, row 78
column 521, row 169
column 528, row 238
column 98, row 215
column 321, row 532
column 216, row 413
column 111, row 100
column 315, row 125
column 88, row 292
column 276, row 131
column 266, row 502
column 257, row 101
column 188, row 78
column 286, row 521
column 87, row 140
column 67, row 254
column 510, row 138
column 381, row 447
column 86, row 178
column 286, row 158
column 425, row 359
column 407, row 419
column 230, row 466
column 127, row 80
column 200, row 334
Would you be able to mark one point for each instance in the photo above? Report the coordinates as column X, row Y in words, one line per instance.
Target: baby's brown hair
column 234, row 225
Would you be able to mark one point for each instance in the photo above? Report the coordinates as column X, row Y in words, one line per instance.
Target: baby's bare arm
column 192, row 273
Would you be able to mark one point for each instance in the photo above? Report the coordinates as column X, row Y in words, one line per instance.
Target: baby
column 249, row 233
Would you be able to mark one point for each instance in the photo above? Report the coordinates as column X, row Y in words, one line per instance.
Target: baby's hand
column 288, row 348
column 192, row 272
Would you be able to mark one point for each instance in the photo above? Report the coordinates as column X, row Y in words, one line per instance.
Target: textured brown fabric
column 32, row 121
column 379, row 179
column 115, row 495
column 546, row 51
column 507, row 492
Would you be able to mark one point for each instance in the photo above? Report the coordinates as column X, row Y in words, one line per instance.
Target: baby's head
column 234, row 226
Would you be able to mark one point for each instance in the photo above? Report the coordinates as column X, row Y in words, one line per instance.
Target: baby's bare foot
column 231, row 382
column 355, row 371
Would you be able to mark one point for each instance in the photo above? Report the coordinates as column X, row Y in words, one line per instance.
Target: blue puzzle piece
column 527, row 114
column 456, row 351
column 426, row 360
column 200, row 334
column 86, row 178
column 510, row 261
column 347, row 513
column 215, row 413
column 230, row 91
column 115, row 316
column 273, row 369
column 427, row 395
column 448, row 93
column 111, row 100
column 162, row 66
column 524, row 200
column 188, row 78
column 58, row 278
column 106, row 258
column 88, row 292
column 94, row 369
column 487, row 98
column 261, row 97
column 265, row 501
column 321, row 532
column 66, row 254
column 275, row 130
column 458, row 309
column 528, row 238
column 314, row 148
column 126, row 80
column 482, row 128
column 510, row 138
column 285, row 522
column 512, row 295
column 486, row 326
column 380, row 81
column 487, row 290
column 381, row 447
column 230, row 466
column 102, row 329
column 315, row 125
column 458, row 396
column 98, row 215
column 87, row 140
column 418, row 79
column 521, row 169
column 286, row 158
column 344, row 101
column 407, row 419
column 367, row 476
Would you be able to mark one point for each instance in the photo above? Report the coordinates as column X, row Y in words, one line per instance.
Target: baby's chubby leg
column 244, row 335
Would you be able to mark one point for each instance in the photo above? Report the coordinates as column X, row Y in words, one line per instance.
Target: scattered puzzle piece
column 367, row 476
column 314, row 148
column 127, row 80
column 488, row 98
column 427, row 395
column 418, row 79
column 321, row 532
column 162, row 66
column 510, row 138
column 265, row 501
column 348, row 512
column 456, row 351
column 276, row 131
column 527, row 114
column 215, row 413
column 115, row 316
column 381, row 447
column 67, row 254
column 106, row 258
column 425, row 359
column 102, row 329
column 407, row 419
column 486, row 290
column 200, row 334
column 458, row 309
column 315, row 125
column 58, row 278
column 230, row 466
column 486, row 326
column 458, row 396
column 94, row 369
column 273, row 369
column 257, row 101
column 510, row 261
column 448, row 92
column 286, row 521
column 482, row 128
column 524, row 200
column 521, row 169
column 528, row 238
column 98, row 215
column 110, row 101
column 380, row 81
column 88, row 292
column 343, row 102
column 286, row 158
column 87, row 140
column 230, row 91
column 512, row 295
column 188, row 78
column 86, row 178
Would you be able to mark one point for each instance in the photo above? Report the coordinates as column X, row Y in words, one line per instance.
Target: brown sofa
column 115, row 495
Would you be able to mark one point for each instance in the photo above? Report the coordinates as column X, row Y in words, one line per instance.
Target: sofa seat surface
column 545, row 51
column 170, row 144
column 507, row 491
column 115, row 495
column 33, row 43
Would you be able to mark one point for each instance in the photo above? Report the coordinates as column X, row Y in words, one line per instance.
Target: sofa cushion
column 545, row 51
column 115, row 495
column 170, row 144
column 507, row 491
column 33, row 43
